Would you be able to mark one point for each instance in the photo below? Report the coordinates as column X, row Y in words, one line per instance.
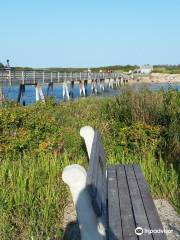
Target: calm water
column 12, row 92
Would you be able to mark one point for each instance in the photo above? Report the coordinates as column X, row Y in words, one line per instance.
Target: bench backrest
column 96, row 177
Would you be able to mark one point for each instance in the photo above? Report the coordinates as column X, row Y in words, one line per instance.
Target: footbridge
column 39, row 78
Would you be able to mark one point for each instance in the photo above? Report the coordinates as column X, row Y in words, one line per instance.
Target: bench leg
column 75, row 177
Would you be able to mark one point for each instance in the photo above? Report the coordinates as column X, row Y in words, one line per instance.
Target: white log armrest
column 87, row 133
column 75, row 177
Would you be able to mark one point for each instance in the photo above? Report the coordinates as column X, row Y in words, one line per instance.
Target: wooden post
column 58, row 77
column 34, row 77
column 71, row 93
column 75, row 76
column 10, row 82
column 65, row 87
column 124, row 80
column 21, row 94
column 14, row 75
column 94, row 86
column 65, row 90
column 50, row 88
column 39, row 93
column 111, row 82
column 1, row 96
column 85, row 86
column 43, row 77
column 121, row 80
column 117, row 82
column 22, row 77
column 51, row 77
column 102, row 84
column 82, row 88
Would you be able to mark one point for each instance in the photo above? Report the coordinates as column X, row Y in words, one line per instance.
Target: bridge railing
column 13, row 77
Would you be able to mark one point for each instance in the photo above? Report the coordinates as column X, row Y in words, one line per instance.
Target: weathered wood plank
column 128, row 221
column 96, row 181
column 137, row 203
column 92, row 170
column 151, row 211
column 97, row 201
column 114, row 217
column 101, row 181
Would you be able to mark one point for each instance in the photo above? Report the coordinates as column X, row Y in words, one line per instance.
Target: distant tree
column 1, row 65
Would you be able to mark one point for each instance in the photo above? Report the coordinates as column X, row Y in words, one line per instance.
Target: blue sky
column 74, row 33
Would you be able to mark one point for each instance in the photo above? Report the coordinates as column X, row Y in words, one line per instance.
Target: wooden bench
column 120, row 197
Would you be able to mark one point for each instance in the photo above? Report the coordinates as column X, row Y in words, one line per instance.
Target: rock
column 169, row 218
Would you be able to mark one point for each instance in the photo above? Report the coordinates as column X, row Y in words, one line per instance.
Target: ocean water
column 12, row 92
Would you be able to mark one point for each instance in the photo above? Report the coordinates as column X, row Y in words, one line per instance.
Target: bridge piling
column 111, row 82
column 65, row 91
column 71, row 92
column 94, row 86
column 39, row 93
column 65, row 88
column 50, row 88
column 21, row 94
column 101, row 84
column 82, row 88
column 2, row 97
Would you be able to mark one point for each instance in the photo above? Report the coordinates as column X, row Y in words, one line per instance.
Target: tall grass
column 153, row 109
column 32, row 197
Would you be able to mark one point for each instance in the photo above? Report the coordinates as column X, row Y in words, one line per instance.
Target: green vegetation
column 1, row 65
column 38, row 141
column 124, row 68
column 169, row 69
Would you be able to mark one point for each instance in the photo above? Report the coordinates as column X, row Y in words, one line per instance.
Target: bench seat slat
column 137, row 203
column 114, row 217
column 151, row 211
column 128, row 222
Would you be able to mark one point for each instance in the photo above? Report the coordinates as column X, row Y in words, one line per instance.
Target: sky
column 74, row 33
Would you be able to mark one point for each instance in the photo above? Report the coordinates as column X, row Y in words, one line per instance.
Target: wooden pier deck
column 13, row 77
